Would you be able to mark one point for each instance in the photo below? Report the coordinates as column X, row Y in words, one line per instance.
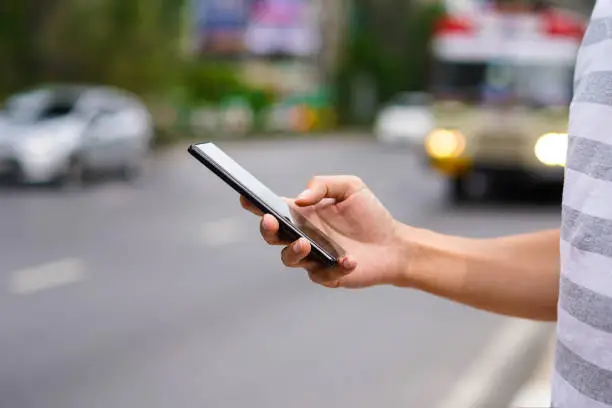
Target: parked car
column 60, row 134
column 406, row 119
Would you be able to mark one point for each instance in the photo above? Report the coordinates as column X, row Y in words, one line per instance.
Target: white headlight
column 551, row 149
column 39, row 146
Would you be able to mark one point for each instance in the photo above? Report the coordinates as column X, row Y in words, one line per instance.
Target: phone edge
column 324, row 257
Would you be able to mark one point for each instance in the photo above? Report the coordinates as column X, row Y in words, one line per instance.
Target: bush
column 210, row 83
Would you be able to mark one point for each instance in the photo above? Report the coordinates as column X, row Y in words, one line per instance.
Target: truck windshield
column 537, row 85
column 458, row 80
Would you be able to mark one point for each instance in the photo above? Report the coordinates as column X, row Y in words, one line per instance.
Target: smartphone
column 293, row 225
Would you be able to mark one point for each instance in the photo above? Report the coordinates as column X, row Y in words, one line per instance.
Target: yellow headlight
column 551, row 149
column 445, row 144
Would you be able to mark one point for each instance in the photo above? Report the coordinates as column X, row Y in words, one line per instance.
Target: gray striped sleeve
column 587, row 233
column 599, row 30
column 595, row 87
column 583, row 364
column 589, row 379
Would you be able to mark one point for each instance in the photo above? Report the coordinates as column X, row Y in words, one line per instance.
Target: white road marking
column 487, row 371
column 223, row 232
column 536, row 392
column 47, row 276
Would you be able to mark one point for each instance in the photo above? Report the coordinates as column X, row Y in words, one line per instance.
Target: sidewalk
column 536, row 391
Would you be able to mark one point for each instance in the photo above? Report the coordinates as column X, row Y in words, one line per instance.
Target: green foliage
column 421, row 24
column 401, row 66
column 211, row 83
column 127, row 43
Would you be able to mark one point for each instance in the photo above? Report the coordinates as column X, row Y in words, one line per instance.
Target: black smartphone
column 293, row 225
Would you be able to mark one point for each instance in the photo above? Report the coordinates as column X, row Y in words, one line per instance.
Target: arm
column 516, row 276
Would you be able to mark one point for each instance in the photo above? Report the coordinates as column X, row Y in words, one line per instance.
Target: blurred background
column 129, row 275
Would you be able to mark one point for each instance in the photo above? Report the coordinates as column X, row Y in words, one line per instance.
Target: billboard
column 220, row 26
column 288, row 27
column 256, row 27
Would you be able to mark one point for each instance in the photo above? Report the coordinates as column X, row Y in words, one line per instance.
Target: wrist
column 426, row 257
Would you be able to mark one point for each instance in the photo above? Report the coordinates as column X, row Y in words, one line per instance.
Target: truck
column 502, row 84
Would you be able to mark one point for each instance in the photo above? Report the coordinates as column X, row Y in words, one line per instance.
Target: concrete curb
column 503, row 367
column 537, row 391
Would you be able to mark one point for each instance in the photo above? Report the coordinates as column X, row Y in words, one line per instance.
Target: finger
column 247, row 205
column 335, row 277
column 338, row 188
column 268, row 228
column 308, row 265
column 295, row 253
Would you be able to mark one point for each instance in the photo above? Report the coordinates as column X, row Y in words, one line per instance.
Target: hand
column 349, row 213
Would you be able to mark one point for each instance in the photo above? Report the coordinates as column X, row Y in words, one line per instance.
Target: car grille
column 501, row 148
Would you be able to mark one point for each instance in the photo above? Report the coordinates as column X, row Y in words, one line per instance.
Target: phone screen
column 258, row 189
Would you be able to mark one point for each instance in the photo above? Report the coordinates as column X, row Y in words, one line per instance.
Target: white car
column 406, row 119
column 61, row 133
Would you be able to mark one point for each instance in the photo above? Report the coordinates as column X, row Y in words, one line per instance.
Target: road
column 161, row 294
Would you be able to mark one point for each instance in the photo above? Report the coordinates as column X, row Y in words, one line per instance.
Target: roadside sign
column 220, row 25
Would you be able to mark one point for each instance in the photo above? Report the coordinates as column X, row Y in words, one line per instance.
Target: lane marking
column 485, row 374
column 223, row 232
column 537, row 390
column 47, row 276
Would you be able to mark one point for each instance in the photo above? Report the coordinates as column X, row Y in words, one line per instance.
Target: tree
column 390, row 46
column 129, row 43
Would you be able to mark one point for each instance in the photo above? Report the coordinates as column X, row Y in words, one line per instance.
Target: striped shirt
column 583, row 368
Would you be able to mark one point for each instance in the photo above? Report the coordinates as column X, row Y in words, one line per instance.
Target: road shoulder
column 502, row 368
column 536, row 392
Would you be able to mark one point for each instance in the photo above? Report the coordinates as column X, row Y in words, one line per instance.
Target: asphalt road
column 162, row 295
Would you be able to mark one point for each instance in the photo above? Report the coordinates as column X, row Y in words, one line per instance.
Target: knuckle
column 318, row 180
column 356, row 181
column 314, row 181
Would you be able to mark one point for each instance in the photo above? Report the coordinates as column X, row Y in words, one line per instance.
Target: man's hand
column 516, row 275
column 349, row 213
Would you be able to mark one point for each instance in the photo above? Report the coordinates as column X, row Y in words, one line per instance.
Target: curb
column 537, row 391
column 503, row 368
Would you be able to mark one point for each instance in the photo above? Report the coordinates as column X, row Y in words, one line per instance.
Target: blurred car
column 60, row 134
column 406, row 119
column 481, row 150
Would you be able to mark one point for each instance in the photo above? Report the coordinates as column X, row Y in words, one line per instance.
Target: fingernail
column 269, row 222
column 348, row 263
column 297, row 248
column 304, row 194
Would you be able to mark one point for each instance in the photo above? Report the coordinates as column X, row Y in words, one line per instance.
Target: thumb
column 338, row 188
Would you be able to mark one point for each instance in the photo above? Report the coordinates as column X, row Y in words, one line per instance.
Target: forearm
column 516, row 276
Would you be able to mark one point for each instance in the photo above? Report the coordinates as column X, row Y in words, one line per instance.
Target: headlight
column 39, row 147
column 445, row 144
column 551, row 149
